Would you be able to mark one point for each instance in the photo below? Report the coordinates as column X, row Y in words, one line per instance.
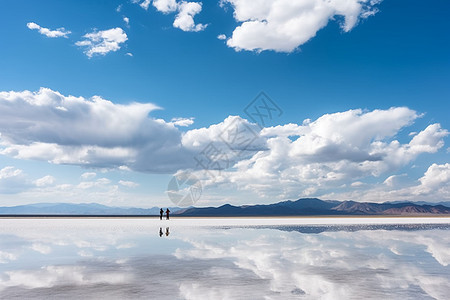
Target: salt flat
column 307, row 221
column 215, row 222
column 225, row 258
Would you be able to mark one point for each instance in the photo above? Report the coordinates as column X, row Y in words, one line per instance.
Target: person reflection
column 167, row 231
column 160, row 232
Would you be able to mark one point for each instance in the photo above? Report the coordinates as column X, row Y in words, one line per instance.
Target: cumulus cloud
column 433, row 186
column 185, row 17
column 222, row 37
column 60, row 32
column 225, row 133
column 435, row 180
column 284, row 25
column 312, row 158
column 165, row 6
column 103, row 42
column 47, row 125
column 185, row 10
column 291, row 161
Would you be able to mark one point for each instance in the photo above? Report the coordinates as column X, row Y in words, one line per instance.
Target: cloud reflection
column 117, row 259
column 336, row 265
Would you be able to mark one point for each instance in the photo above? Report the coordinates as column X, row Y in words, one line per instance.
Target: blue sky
column 371, row 77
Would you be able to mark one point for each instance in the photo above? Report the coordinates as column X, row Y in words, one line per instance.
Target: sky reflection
column 129, row 259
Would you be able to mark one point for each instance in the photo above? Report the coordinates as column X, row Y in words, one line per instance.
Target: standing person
column 167, row 214
column 161, row 211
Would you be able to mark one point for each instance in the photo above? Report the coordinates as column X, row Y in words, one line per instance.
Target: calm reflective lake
column 142, row 258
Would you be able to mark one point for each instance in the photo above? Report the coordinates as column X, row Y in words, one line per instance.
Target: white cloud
column 6, row 257
column 222, row 132
column 145, row 4
column 222, row 37
column 393, row 180
column 186, row 12
column 357, row 184
column 165, row 6
column 433, row 186
column 88, row 175
column 185, row 17
column 321, row 157
column 428, row 140
column 13, row 180
column 9, row 172
column 284, row 25
column 126, row 20
column 129, row 184
column 101, row 182
column 41, row 248
column 88, row 132
column 45, row 181
column 293, row 160
column 60, row 32
column 183, row 122
column 436, row 178
column 103, row 42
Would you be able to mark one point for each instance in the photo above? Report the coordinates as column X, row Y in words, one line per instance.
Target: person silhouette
column 167, row 231
column 161, row 212
column 167, row 214
column 160, row 232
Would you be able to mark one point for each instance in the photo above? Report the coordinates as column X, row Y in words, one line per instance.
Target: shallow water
column 127, row 258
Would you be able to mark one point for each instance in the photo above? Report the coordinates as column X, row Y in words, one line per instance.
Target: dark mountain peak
column 359, row 207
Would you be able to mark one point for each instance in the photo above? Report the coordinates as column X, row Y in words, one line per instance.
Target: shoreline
column 182, row 222
column 218, row 217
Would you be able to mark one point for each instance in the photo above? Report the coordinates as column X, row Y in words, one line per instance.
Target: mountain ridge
column 314, row 206
column 78, row 209
column 300, row 207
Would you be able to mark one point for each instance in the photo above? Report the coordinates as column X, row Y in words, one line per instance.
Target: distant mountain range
column 301, row 207
column 88, row 209
column 313, row 206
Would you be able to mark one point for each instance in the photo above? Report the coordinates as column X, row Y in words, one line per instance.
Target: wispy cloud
column 60, row 32
column 129, row 184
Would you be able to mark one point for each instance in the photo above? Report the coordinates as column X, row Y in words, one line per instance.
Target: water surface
column 129, row 258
